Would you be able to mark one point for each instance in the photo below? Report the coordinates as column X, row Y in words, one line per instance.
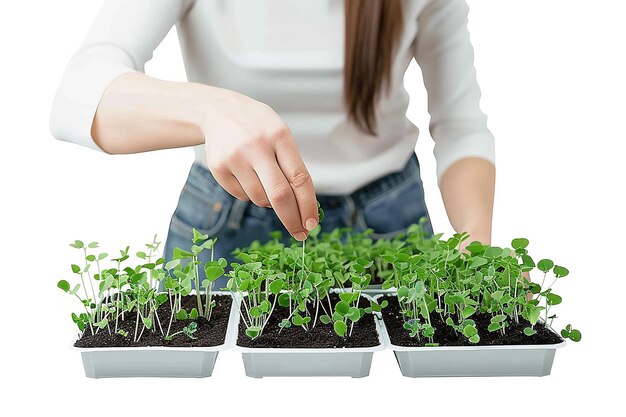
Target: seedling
column 135, row 290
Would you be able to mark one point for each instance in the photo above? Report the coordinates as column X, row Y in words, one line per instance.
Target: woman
column 288, row 102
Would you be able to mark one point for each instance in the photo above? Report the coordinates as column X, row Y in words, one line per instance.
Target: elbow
column 68, row 123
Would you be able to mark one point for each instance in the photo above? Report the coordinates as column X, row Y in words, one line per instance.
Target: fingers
column 299, row 179
column 230, row 183
column 281, row 196
column 252, row 186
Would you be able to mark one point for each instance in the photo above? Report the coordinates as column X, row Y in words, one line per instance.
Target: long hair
column 372, row 30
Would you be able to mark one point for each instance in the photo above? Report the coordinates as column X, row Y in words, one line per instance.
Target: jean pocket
column 206, row 210
column 396, row 209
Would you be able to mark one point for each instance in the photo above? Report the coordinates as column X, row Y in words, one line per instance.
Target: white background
column 552, row 76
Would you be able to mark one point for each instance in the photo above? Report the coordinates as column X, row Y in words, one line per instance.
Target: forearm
column 467, row 188
column 138, row 113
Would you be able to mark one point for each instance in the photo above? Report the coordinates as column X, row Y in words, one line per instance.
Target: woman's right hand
column 253, row 156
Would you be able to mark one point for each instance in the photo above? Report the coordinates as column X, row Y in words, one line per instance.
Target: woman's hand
column 253, row 155
column 250, row 150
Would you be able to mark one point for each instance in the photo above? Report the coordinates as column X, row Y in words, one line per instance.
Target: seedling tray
column 348, row 362
column 442, row 361
column 156, row 361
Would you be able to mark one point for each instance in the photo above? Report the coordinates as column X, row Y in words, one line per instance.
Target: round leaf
column 213, row 272
column 545, row 265
column 340, row 328
column 276, row 286
column 529, row 331
column 560, row 271
column 342, row 308
column 354, row 314
column 519, row 243
column 64, row 285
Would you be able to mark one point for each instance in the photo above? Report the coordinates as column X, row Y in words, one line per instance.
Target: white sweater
column 289, row 55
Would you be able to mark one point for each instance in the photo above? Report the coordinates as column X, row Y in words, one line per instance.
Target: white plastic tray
column 155, row 361
column 441, row 361
column 262, row 362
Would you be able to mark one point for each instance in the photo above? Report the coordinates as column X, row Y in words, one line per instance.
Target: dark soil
column 364, row 333
column 446, row 336
column 209, row 333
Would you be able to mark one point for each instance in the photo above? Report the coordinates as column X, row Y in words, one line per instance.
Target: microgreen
column 113, row 293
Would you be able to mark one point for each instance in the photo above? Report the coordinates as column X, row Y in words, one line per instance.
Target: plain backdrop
column 552, row 76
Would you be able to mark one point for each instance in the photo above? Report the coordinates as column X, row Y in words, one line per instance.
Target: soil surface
column 446, row 336
column 209, row 333
column 364, row 333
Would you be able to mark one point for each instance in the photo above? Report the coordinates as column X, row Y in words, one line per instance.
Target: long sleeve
column 445, row 55
column 121, row 40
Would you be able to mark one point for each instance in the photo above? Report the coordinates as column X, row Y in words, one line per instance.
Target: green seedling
column 188, row 331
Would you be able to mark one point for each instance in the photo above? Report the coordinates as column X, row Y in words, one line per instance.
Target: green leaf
column 533, row 315
column 468, row 311
column 276, row 286
column 477, row 262
column 529, row 331
column 519, row 243
column 497, row 295
column 342, row 308
column 498, row 318
column 102, row 256
column 348, row 297
column 560, row 271
column 493, row 252
column 253, row 331
column 354, row 314
column 147, row 322
column 297, row 320
column 141, row 255
column 469, row 331
column 77, row 244
column 475, row 247
column 403, row 292
column 64, row 285
column 283, row 300
column 172, row 264
column 193, row 314
column 320, row 212
column 325, row 319
column 90, row 258
column 182, row 315
column 93, row 245
column 545, row 265
column 75, row 268
column 474, row 339
column 340, row 328
column 553, row 299
column 179, row 253
column 255, row 311
column 494, row 326
column 575, row 335
column 198, row 237
column 213, row 272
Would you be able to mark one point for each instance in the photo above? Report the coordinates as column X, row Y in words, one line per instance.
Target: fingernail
column 300, row 236
column 310, row 224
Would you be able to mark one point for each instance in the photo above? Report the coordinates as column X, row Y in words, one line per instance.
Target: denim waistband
column 360, row 196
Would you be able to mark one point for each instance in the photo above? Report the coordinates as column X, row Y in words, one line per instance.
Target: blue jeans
column 388, row 205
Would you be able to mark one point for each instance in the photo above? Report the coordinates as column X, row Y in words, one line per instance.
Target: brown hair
column 372, row 29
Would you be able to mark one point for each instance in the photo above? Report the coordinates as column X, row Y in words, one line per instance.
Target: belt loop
column 237, row 213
